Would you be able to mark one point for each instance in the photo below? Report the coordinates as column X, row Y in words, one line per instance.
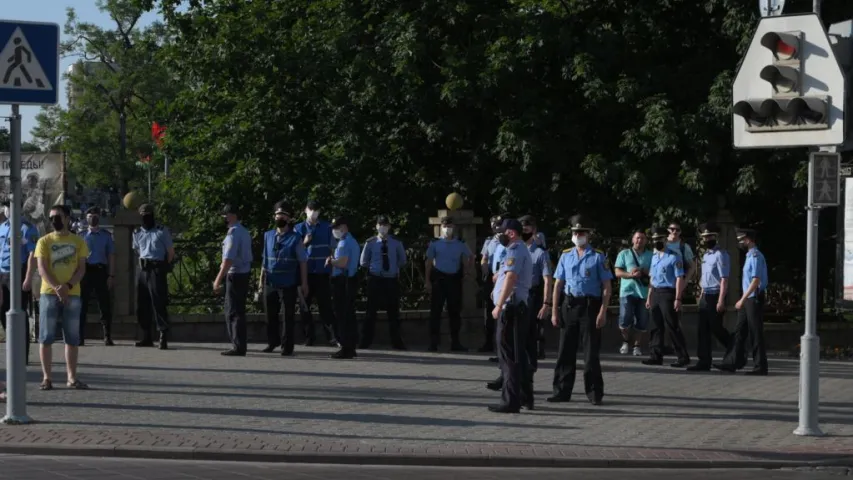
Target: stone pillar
column 466, row 229
column 124, row 283
column 728, row 241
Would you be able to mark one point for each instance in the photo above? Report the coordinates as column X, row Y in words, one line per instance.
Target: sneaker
column 625, row 348
column 638, row 352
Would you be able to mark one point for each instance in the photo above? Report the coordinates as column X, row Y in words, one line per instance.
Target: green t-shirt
column 628, row 262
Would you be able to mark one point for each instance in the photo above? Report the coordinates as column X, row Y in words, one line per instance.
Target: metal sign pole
column 17, row 333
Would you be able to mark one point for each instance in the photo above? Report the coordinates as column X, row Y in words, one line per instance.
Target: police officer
column 318, row 241
column 29, row 239
column 383, row 256
column 445, row 267
column 100, row 271
column 510, row 296
column 344, row 263
column 234, row 273
column 750, row 307
column 714, row 283
column 486, row 257
column 583, row 275
column 153, row 244
column 284, row 267
column 664, row 301
column 538, row 301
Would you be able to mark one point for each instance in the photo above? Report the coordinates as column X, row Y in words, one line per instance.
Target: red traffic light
column 784, row 46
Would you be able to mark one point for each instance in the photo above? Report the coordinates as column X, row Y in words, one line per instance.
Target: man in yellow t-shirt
column 61, row 259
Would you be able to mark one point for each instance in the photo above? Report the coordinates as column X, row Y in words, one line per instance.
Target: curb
column 414, row 460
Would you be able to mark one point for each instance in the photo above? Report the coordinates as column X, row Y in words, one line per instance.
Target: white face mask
column 382, row 229
column 579, row 240
column 312, row 214
column 447, row 232
column 6, row 212
column 338, row 234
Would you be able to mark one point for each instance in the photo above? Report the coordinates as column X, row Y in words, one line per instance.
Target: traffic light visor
column 783, row 45
column 811, row 110
column 783, row 79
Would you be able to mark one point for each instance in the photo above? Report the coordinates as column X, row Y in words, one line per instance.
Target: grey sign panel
column 824, row 179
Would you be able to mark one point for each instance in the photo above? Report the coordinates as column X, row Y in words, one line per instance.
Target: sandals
column 78, row 385
column 46, row 385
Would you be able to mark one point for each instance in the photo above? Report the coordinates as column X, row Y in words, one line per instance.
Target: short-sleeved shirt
column 754, row 267
column 675, row 247
column 237, row 247
column 517, row 261
column 715, row 267
column 29, row 238
column 448, row 255
column 488, row 251
column 583, row 273
column 347, row 247
column 498, row 256
column 627, row 260
column 283, row 252
column 61, row 254
column 101, row 246
column 666, row 268
column 541, row 264
column 374, row 251
column 152, row 244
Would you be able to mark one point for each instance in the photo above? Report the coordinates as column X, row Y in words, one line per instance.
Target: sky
column 53, row 11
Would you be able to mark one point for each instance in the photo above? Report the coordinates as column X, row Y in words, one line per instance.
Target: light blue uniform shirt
column 583, row 275
column 100, row 244
column 519, row 262
column 448, row 254
column 29, row 239
column 488, row 251
column 347, row 247
column 498, row 256
column 371, row 256
column 153, row 244
column 541, row 264
column 675, row 247
column 715, row 267
column 754, row 267
column 237, row 247
column 666, row 268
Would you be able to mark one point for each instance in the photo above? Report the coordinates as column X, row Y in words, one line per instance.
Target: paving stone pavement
column 395, row 406
column 13, row 467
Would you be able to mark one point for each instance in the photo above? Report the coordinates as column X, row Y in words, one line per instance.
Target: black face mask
column 57, row 223
column 148, row 220
column 743, row 246
column 94, row 221
column 282, row 222
column 526, row 236
column 503, row 239
column 710, row 243
column 658, row 245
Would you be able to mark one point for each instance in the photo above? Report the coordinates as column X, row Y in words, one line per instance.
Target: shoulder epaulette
column 568, row 250
column 599, row 251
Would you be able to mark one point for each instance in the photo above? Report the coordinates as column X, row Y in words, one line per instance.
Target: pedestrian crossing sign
column 29, row 63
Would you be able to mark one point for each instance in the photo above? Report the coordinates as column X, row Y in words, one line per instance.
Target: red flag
column 157, row 133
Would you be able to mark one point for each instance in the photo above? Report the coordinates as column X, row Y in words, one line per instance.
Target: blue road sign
column 29, row 63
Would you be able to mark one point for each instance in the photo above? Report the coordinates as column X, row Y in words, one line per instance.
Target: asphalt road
column 16, row 467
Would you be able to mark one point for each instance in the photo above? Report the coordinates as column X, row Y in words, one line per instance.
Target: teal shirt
column 629, row 287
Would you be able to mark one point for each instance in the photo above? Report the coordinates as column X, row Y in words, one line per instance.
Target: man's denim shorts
column 633, row 313
column 53, row 314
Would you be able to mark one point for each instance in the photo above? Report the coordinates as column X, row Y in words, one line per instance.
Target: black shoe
column 269, row 349
column 493, row 359
column 653, row 361
column 164, row 344
column 399, row 346
column 287, row 353
column 699, row 368
column 541, row 355
column 528, row 404
column 725, row 367
column 495, row 386
column 145, row 343
column 458, row 347
column 108, row 342
column 342, row 355
column 757, row 371
column 680, row 363
column 82, row 343
column 559, row 399
column 593, row 399
column 504, row 409
column 233, row 353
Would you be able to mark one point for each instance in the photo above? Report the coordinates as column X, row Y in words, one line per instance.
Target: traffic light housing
column 787, row 108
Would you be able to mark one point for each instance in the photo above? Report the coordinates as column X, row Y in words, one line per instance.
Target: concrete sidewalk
column 416, row 408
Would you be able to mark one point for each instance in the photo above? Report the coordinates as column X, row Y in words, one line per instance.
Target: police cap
column 383, row 220
column 659, row 232
column 337, row 222
column 510, row 224
column 283, row 208
column 742, row 233
column 708, row 229
column 579, row 224
column 146, row 209
column 527, row 220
